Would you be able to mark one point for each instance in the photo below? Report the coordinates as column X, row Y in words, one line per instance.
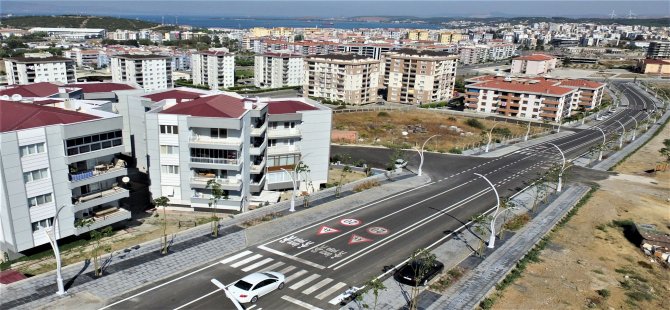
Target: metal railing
column 218, row 161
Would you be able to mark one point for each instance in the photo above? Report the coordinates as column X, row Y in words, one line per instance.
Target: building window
column 169, row 149
column 40, row 200
column 218, row 133
column 94, row 142
column 39, row 225
column 31, row 149
column 170, row 169
column 169, row 129
column 35, row 175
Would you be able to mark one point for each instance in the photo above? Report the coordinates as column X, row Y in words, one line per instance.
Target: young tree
column 375, row 286
column 421, row 262
column 163, row 201
column 506, row 206
column 217, row 194
column 345, row 170
column 479, row 222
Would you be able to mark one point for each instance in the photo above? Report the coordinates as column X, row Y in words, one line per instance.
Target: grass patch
column 447, row 279
column 365, row 185
column 604, row 293
column 602, row 227
column 264, row 218
column 517, row 222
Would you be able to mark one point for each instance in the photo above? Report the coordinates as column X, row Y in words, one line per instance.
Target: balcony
column 257, row 186
column 210, row 143
column 283, row 149
column 554, row 102
column 548, row 115
column 257, row 132
column 200, row 200
column 231, row 184
column 216, row 163
column 256, row 169
column 471, row 99
column 551, row 109
column 104, row 218
column 283, row 133
column 253, row 150
column 471, row 93
column 99, row 173
column 91, row 200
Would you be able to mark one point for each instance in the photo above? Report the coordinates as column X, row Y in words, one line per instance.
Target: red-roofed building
column 101, row 90
column 222, row 106
column 177, row 94
column 42, row 89
column 534, row 64
column 67, row 154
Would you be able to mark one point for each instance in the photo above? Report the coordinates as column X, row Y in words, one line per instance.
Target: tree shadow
column 69, row 283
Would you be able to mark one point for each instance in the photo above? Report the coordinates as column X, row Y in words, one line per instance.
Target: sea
column 246, row 23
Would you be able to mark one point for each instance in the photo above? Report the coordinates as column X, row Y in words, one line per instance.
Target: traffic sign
column 378, row 230
column 324, row 230
column 350, row 222
column 358, row 239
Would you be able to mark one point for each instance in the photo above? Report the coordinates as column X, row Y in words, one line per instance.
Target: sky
column 326, row 8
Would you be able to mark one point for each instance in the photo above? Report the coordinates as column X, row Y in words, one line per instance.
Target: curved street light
column 492, row 238
column 634, row 130
column 421, row 153
column 292, row 209
column 54, row 235
column 603, row 146
column 527, row 132
column 623, row 133
column 490, row 136
column 560, row 173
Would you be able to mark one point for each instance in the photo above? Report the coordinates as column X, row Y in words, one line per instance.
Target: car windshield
column 269, row 275
column 243, row 285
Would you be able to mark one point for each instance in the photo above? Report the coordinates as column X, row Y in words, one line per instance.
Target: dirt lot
column 385, row 128
column 589, row 263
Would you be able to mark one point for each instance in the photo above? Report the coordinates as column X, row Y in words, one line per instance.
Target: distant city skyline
column 334, row 9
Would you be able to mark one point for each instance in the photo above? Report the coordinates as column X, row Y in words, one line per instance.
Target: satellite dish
column 16, row 97
column 125, row 179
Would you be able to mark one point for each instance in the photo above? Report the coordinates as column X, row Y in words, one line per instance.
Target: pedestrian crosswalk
column 297, row 279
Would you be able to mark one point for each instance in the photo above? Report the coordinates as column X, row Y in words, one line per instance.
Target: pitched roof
column 210, row 106
column 42, row 89
column 103, row 87
column 538, row 88
column 288, row 106
column 535, row 57
column 581, row 84
column 179, row 95
column 17, row 115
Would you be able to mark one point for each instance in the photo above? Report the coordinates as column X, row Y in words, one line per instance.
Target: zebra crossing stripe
column 246, row 260
column 287, row 269
column 234, row 257
column 295, row 275
column 304, row 281
column 274, row 266
column 258, row 264
column 331, row 290
column 317, row 286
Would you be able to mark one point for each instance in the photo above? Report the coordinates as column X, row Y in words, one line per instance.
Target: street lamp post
column 490, row 136
column 292, row 209
column 603, row 146
column 527, row 132
column 634, row 130
column 421, row 154
column 623, row 133
column 560, row 173
column 649, row 119
column 54, row 235
column 228, row 294
column 492, row 238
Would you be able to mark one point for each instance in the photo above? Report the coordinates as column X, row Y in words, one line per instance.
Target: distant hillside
column 71, row 21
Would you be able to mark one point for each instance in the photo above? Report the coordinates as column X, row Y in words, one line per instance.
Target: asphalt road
column 324, row 259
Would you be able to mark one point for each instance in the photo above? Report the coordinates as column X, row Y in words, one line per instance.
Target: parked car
column 255, row 285
column 418, row 272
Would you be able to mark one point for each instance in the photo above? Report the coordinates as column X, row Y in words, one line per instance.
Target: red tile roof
column 100, row 87
column 288, row 106
column 535, row 57
column 179, row 95
column 42, row 89
column 210, row 106
column 581, row 84
column 540, row 88
column 16, row 115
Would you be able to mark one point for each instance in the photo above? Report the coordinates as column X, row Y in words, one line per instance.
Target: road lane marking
column 287, row 269
column 330, row 291
column 317, row 286
column 300, row 303
column 295, row 275
column 198, row 299
column 298, row 259
column 246, row 260
column 234, row 257
column 274, row 266
column 304, row 281
column 252, row 306
column 258, row 264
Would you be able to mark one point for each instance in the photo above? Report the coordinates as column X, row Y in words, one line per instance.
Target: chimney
column 169, row 103
column 248, row 104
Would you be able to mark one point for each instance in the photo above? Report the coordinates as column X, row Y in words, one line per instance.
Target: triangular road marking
column 358, row 239
column 327, row 230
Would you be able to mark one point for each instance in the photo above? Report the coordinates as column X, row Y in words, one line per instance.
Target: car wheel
column 254, row 300
column 281, row 286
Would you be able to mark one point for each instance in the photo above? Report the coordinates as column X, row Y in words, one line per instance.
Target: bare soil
column 589, row 263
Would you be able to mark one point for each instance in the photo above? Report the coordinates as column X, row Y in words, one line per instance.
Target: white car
column 255, row 285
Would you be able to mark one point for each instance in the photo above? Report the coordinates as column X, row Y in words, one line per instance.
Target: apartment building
column 368, row 50
column 350, row 78
column 214, row 68
column 60, row 154
column 274, row 70
column 474, row 54
column 588, row 94
column 418, row 35
column 654, row 66
column 500, row 50
column 449, row 37
column 149, row 72
column 534, row 64
column 84, row 57
column 414, row 77
column 659, row 50
column 39, row 67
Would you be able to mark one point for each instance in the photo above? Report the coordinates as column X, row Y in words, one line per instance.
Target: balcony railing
column 97, row 170
column 257, row 132
column 101, row 197
column 103, row 218
column 208, row 140
column 226, row 183
column 283, row 149
column 217, row 161
column 283, row 132
column 258, row 168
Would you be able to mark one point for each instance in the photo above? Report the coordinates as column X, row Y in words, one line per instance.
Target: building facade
column 415, row 77
column 149, row 72
column 274, row 70
column 40, row 68
column 534, row 64
column 659, row 50
column 348, row 78
column 213, row 68
column 66, row 154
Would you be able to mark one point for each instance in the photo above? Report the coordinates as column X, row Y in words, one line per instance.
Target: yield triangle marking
column 327, row 230
column 358, row 239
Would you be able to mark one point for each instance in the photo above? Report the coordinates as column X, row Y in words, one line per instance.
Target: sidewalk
column 132, row 268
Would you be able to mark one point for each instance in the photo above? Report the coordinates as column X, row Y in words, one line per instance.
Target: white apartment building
column 414, row 77
column 35, row 68
column 214, row 68
column 63, row 154
column 274, row 70
column 149, row 72
column 350, row 78
column 534, row 64
column 473, row 54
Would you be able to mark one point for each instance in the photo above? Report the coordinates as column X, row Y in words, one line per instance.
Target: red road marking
column 378, row 230
column 326, row 230
column 358, row 239
column 350, row 222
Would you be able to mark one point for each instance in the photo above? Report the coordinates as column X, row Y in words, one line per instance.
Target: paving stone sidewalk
column 144, row 265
